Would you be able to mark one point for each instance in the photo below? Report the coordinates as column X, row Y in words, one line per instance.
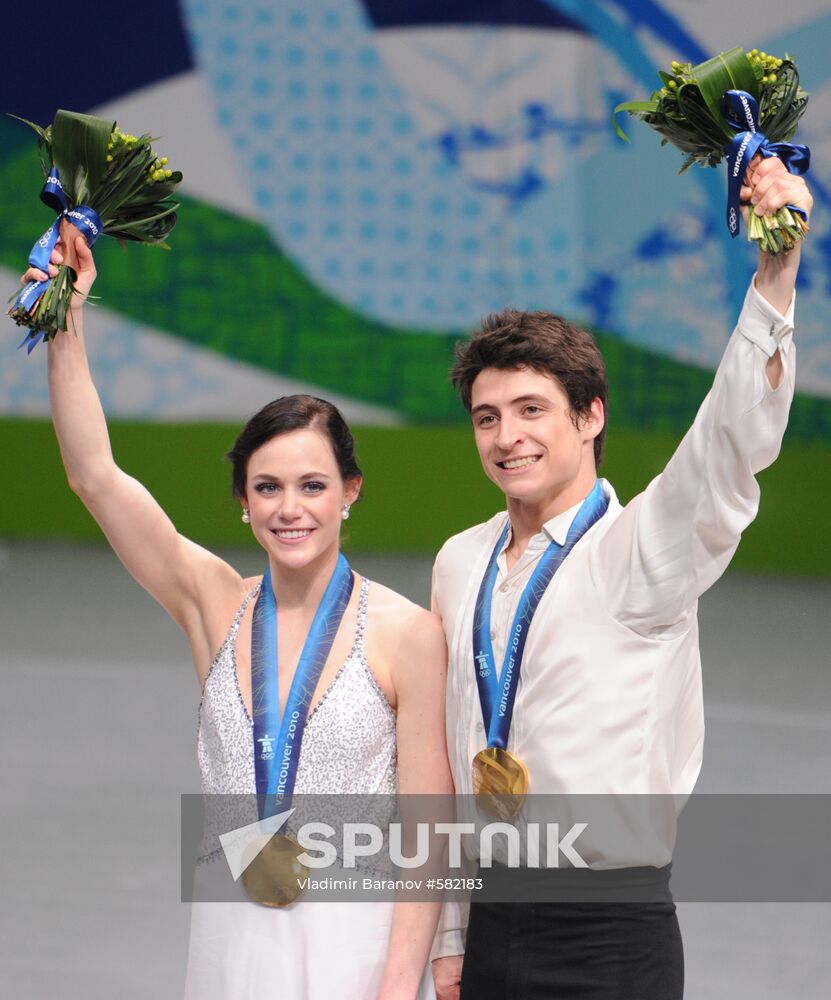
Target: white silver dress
column 316, row 951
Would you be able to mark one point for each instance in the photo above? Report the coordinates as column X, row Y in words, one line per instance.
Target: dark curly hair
column 546, row 343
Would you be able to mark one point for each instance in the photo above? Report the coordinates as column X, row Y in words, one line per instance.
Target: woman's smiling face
column 295, row 497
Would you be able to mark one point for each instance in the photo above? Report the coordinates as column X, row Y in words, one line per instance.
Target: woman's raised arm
column 178, row 573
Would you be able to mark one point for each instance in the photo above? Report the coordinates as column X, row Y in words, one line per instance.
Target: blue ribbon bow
column 87, row 221
column 741, row 112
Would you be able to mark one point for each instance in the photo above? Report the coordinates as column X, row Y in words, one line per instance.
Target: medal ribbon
column 277, row 741
column 85, row 218
column 741, row 112
column 497, row 696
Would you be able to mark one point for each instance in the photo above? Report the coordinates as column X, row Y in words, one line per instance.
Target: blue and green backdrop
column 365, row 180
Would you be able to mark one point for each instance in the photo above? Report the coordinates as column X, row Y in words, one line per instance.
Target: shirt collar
column 557, row 528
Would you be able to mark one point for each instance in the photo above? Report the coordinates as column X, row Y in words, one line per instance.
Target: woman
column 374, row 703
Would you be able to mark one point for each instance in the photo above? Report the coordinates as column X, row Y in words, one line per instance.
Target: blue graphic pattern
column 424, row 178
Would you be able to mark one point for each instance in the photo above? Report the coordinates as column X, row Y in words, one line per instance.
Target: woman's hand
column 85, row 271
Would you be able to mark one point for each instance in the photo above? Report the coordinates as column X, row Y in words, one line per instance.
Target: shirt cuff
column 767, row 328
column 447, row 943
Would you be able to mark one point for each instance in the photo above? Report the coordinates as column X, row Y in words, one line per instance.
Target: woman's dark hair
column 293, row 413
column 546, row 343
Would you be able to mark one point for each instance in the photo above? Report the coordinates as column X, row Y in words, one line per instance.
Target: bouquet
column 733, row 107
column 99, row 180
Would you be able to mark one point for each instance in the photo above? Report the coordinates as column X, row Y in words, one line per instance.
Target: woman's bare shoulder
column 388, row 601
column 398, row 616
column 409, row 641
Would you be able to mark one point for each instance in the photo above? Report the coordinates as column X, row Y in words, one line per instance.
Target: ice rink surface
column 97, row 742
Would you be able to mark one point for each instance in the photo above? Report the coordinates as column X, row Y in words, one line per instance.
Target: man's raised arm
column 676, row 539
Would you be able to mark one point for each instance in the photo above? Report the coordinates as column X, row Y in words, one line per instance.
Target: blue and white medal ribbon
column 277, row 740
column 497, row 696
column 86, row 219
column 741, row 112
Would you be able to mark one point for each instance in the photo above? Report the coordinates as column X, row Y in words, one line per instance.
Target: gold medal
column 274, row 876
column 500, row 782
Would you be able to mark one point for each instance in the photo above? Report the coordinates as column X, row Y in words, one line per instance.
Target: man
column 609, row 700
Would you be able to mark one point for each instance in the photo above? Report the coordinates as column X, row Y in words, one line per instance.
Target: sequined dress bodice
column 349, row 744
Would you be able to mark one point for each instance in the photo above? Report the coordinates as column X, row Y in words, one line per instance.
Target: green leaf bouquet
column 730, row 108
column 99, row 181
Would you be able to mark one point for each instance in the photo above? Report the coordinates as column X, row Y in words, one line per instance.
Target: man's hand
column 447, row 975
column 769, row 186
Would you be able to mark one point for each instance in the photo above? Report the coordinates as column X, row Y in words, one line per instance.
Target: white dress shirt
column 609, row 698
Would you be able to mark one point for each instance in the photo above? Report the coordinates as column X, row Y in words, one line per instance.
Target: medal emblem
column 500, row 782
column 274, row 877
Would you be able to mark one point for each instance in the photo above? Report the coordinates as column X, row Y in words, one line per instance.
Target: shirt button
column 479, row 727
column 493, row 633
column 505, row 588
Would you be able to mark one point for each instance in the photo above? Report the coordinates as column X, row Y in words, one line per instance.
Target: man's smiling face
column 527, row 437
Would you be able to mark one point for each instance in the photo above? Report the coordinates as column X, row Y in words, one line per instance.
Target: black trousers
column 573, row 951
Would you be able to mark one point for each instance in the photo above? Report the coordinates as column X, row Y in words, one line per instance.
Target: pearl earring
column 246, row 517
column 345, row 512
